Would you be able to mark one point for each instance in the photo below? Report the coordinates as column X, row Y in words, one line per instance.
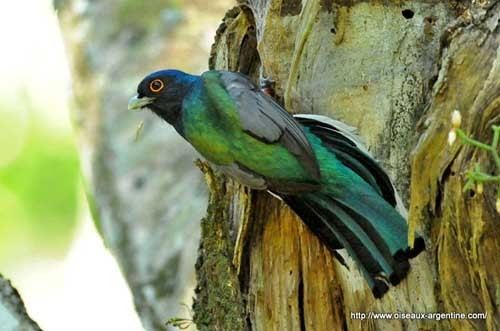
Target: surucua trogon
column 316, row 165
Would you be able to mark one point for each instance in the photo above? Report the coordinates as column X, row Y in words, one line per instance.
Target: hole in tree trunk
column 408, row 13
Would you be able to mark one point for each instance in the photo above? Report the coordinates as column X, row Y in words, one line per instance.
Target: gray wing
column 264, row 119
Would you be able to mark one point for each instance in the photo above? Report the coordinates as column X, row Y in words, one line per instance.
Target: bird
column 317, row 165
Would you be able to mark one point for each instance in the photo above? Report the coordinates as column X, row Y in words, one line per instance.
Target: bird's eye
column 156, row 85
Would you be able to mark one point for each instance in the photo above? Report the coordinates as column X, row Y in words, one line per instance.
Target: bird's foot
column 267, row 86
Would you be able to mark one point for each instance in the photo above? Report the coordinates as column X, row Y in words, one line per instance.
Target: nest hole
column 408, row 13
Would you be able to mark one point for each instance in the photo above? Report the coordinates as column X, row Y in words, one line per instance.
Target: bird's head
column 163, row 92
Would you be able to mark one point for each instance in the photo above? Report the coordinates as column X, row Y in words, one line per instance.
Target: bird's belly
column 244, row 176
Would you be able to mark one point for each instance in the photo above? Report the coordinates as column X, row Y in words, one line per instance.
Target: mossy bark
column 396, row 70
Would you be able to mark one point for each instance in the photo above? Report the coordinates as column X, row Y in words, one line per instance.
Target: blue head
column 163, row 92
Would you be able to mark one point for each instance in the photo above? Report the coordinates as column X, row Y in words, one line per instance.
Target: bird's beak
column 137, row 104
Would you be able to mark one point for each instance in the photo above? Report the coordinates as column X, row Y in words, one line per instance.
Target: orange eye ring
column 156, row 85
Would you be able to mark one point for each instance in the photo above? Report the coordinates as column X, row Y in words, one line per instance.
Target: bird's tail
column 356, row 207
column 372, row 232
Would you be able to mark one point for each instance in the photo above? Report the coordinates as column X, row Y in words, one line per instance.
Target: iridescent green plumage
column 316, row 166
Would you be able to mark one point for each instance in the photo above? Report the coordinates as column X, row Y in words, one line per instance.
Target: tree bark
column 395, row 70
column 13, row 315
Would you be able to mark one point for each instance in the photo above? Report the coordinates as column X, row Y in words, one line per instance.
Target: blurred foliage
column 39, row 184
column 139, row 13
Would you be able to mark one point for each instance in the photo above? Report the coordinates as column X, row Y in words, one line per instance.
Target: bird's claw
column 267, row 86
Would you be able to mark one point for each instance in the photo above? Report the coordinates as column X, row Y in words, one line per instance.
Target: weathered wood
column 395, row 70
column 464, row 228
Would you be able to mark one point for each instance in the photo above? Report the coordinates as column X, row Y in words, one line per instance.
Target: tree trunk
column 145, row 194
column 13, row 315
column 395, row 70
